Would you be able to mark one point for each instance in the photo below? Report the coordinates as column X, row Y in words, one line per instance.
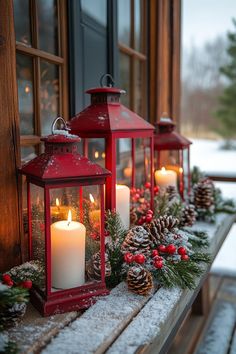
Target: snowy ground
column 207, row 155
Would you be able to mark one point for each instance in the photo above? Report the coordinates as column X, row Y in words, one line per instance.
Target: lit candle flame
column 163, row 169
column 180, row 170
column 57, row 202
column 96, row 154
column 27, row 89
column 103, row 155
column 69, row 219
column 91, row 198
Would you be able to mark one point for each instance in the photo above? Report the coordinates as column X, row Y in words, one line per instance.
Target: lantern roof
column 106, row 115
column 61, row 161
column 166, row 138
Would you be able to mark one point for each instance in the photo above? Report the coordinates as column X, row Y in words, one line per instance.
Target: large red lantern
column 171, row 157
column 120, row 140
column 65, row 195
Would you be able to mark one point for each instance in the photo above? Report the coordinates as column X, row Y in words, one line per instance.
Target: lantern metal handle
column 112, row 82
column 55, row 131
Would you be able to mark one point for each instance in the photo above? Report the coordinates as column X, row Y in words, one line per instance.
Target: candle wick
column 68, row 224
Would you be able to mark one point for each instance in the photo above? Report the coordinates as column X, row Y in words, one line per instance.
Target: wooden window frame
column 61, row 60
column 134, row 55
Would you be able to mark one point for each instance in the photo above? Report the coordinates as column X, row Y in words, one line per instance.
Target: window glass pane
column 24, row 71
column 96, row 9
column 22, row 21
column 137, row 25
column 27, row 153
column 49, row 92
column 124, row 24
column 124, row 78
column 138, row 86
column 96, row 151
column 48, row 25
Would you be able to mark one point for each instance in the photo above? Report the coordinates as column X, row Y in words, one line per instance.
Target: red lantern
column 171, row 157
column 65, row 195
column 121, row 141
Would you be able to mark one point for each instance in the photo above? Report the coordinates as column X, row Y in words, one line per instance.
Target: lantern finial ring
column 112, row 82
column 56, row 131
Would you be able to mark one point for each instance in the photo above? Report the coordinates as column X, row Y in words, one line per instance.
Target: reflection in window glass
column 49, row 92
column 138, row 87
column 96, row 9
column 22, row 21
column 137, row 25
column 124, row 24
column 48, row 25
column 27, row 153
column 24, row 71
column 124, row 78
column 96, row 151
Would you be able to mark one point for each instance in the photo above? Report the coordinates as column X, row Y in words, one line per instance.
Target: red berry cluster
column 138, row 258
column 7, row 280
column 157, row 259
column 171, row 249
column 146, row 218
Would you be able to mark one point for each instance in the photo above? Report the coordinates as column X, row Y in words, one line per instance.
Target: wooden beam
column 9, row 142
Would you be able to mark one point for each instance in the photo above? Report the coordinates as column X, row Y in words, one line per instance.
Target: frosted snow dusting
column 148, row 323
column 219, row 333
column 98, row 323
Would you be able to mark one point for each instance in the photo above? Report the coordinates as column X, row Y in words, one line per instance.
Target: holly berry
column 148, row 218
column 156, row 189
column 162, row 248
column 139, row 258
column 158, row 264
column 6, row 278
column 171, row 249
column 106, row 233
column 27, row 284
column 148, row 185
column 181, row 251
column 129, row 257
column 185, row 257
column 155, row 253
column 150, row 212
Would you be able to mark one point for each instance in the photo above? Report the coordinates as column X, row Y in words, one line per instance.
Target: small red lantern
column 120, row 140
column 171, row 157
column 65, row 196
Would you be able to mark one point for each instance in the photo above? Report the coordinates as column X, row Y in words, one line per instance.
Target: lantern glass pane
column 96, row 151
column 142, row 161
column 124, row 163
column 38, row 231
column 75, row 234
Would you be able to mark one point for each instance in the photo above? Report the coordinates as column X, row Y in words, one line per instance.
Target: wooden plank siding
column 10, row 224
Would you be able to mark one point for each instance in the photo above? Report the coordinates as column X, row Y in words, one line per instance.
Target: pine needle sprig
column 201, row 257
column 187, row 271
column 167, row 276
column 176, row 209
column 117, row 234
column 13, row 295
column 161, row 204
column 198, row 239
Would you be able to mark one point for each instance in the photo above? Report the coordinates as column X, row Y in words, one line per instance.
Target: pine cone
column 159, row 227
column 189, row 215
column 133, row 217
column 11, row 315
column 94, row 267
column 172, row 193
column 136, row 240
column 204, row 194
column 139, row 280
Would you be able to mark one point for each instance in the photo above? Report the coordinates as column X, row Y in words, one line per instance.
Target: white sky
column 203, row 20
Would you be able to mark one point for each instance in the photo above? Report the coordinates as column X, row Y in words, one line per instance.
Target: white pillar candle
column 165, row 178
column 123, row 204
column 68, row 254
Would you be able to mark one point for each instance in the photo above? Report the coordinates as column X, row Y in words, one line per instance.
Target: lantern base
column 69, row 303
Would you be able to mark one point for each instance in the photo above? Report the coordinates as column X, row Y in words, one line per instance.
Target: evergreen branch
column 201, row 257
column 13, row 295
column 198, row 239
